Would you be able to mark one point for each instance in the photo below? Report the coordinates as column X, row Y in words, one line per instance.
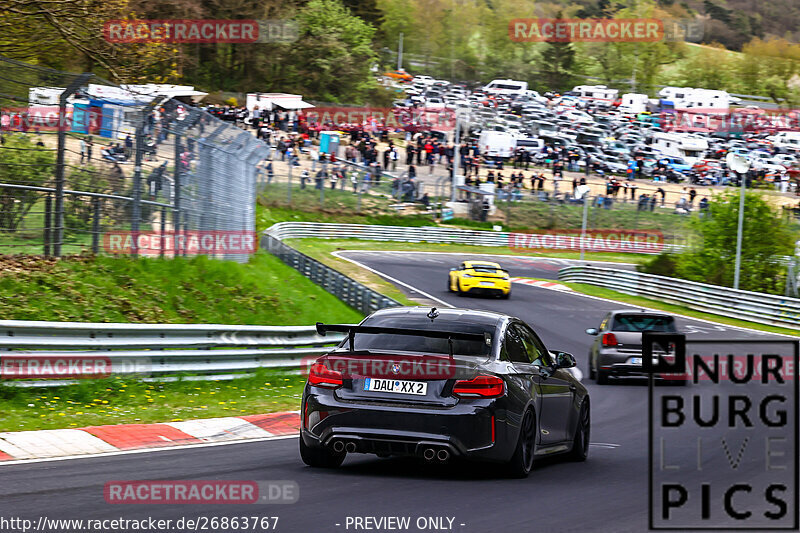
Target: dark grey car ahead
column 617, row 349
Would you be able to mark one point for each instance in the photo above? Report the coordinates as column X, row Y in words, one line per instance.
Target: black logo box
column 663, row 361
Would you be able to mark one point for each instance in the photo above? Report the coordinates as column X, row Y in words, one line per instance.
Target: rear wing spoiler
column 352, row 329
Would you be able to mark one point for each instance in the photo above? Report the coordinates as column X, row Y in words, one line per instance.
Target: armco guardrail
column 745, row 305
column 348, row 290
column 159, row 350
column 434, row 234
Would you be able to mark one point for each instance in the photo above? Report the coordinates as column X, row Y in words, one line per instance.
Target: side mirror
column 453, row 269
column 565, row 360
column 592, row 331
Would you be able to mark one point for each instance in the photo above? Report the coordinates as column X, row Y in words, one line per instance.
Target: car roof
column 470, row 264
column 639, row 312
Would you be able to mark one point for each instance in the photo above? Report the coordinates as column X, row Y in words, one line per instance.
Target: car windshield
column 380, row 342
column 642, row 322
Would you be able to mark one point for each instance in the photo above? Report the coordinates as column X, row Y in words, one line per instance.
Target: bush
column 664, row 264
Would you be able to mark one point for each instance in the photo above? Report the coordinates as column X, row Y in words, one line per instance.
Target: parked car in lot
column 617, row 348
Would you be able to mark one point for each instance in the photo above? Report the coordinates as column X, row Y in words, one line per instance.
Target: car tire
column 320, row 457
column 522, row 461
column 505, row 296
column 450, row 285
column 592, row 371
column 580, row 442
column 601, row 377
column 458, row 289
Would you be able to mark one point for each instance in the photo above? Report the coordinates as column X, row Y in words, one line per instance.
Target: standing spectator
column 128, row 146
column 89, row 145
column 84, row 146
column 663, row 194
column 304, row 176
column 692, row 195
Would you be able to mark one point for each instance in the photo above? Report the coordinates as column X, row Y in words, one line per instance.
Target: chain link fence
column 88, row 166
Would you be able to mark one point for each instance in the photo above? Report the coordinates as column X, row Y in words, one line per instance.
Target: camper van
column 596, row 93
column 689, row 98
column 689, row 147
column 507, row 87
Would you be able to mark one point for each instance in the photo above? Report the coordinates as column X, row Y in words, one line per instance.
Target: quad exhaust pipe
column 338, row 446
column 350, row 447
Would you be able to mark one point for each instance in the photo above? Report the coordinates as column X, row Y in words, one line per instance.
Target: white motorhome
column 598, row 93
column 690, row 98
column 633, row 103
column 507, row 87
column 497, row 143
column 689, row 147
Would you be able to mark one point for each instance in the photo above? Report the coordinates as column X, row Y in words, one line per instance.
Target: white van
column 507, row 87
column 497, row 143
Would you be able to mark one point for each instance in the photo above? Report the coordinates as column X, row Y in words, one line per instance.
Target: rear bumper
column 477, row 287
column 465, row 430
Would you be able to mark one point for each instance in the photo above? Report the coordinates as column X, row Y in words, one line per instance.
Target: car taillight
column 609, row 339
column 480, row 387
column 321, row 376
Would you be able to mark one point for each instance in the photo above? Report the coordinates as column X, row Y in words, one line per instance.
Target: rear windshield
column 643, row 323
column 486, row 268
column 409, row 343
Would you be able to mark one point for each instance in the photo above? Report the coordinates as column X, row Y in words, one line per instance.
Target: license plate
column 635, row 361
column 419, row 388
column 487, row 282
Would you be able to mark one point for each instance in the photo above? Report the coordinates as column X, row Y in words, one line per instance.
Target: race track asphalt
column 609, row 492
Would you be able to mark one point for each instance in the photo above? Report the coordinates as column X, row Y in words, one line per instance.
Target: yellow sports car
column 479, row 277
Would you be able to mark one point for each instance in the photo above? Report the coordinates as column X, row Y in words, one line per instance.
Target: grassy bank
column 195, row 290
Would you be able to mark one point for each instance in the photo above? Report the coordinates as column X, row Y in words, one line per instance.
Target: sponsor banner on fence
column 380, row 117
column 607, row 240
column 725, row 120
column 191, row 242
column 200, row 31
column 586, row 30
